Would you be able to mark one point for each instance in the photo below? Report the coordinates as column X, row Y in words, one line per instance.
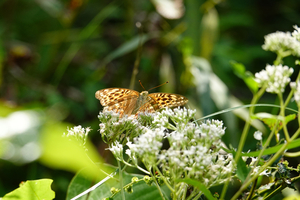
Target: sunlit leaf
column 62, row 153
column 32, row 190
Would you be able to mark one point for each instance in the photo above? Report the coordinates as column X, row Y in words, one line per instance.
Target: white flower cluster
column 296, row 33
column 193, row 152
column 274, row 78
column 147, row 146
column 78, row 133
column 281, row 42
column 115, row 128
column 296, row 87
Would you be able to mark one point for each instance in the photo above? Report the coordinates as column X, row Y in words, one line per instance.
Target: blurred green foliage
column 54, row 55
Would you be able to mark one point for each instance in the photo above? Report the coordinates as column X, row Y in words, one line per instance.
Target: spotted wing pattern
column 126, row 101
column 163, row 100
column 117, row 99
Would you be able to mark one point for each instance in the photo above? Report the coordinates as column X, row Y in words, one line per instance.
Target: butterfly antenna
column 158, row 86
column 142, row 85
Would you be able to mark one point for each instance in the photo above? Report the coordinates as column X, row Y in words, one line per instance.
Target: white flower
column 296, row 86
column 275, row 78
column 296, row 33
column 147, row 145
column 160, row 120
column 78, row 133
column 258, row 135
column 280, row 42
column 117, row 149
column 266, row 186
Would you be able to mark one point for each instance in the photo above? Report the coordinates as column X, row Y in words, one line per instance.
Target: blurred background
column 54, row 56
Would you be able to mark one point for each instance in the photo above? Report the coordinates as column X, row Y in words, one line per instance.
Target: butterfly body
column 129, row 102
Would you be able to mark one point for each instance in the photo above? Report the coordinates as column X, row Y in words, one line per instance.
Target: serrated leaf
column 32, row 190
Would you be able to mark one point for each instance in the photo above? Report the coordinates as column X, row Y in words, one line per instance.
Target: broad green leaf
column 62, row 153
column 32, row 190
column 200, row 186
column 242, row 170
column 271, row 120
column 79, row 184
column 240, row 71
column 140, row 190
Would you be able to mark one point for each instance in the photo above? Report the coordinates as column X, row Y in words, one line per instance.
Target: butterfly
column 130, row 102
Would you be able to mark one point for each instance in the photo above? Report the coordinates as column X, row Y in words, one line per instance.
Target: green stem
column 269, row 163
column 288, row 99
column 278, row 59
column 165, row 180
column 262, row 150
column 244, row 135
column 282, row 114
column 157, row 185
column 121, row 180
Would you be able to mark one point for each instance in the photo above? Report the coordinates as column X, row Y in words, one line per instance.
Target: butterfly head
column 144, row 93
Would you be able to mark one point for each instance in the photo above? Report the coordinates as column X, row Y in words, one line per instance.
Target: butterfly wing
column 163, row 100
column 111, row 96
column 120, row 100
column 148, row 107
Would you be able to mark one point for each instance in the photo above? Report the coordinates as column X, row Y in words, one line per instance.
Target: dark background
column 54, row 55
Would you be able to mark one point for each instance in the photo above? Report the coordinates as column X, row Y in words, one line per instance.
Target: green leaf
column 31, row 190
column 240, row 71
column 272, row 150
column 200, row 186
column 62, row 153
column 140, row 190
column 81, row 183
column 129, row 46
column 242, row 170
column 271, row 120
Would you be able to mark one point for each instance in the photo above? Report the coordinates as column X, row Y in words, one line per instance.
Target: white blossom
column 275, row 78
column 296, row 33
column 147, row 145
column 280, row 42
column 296, row 87
column 258, row 135
column 193, row 148
column 117, row 149
column 78, row 133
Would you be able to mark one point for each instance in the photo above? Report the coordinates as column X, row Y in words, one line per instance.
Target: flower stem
column 262, row 168
column 121, row 180
column 244, row 134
